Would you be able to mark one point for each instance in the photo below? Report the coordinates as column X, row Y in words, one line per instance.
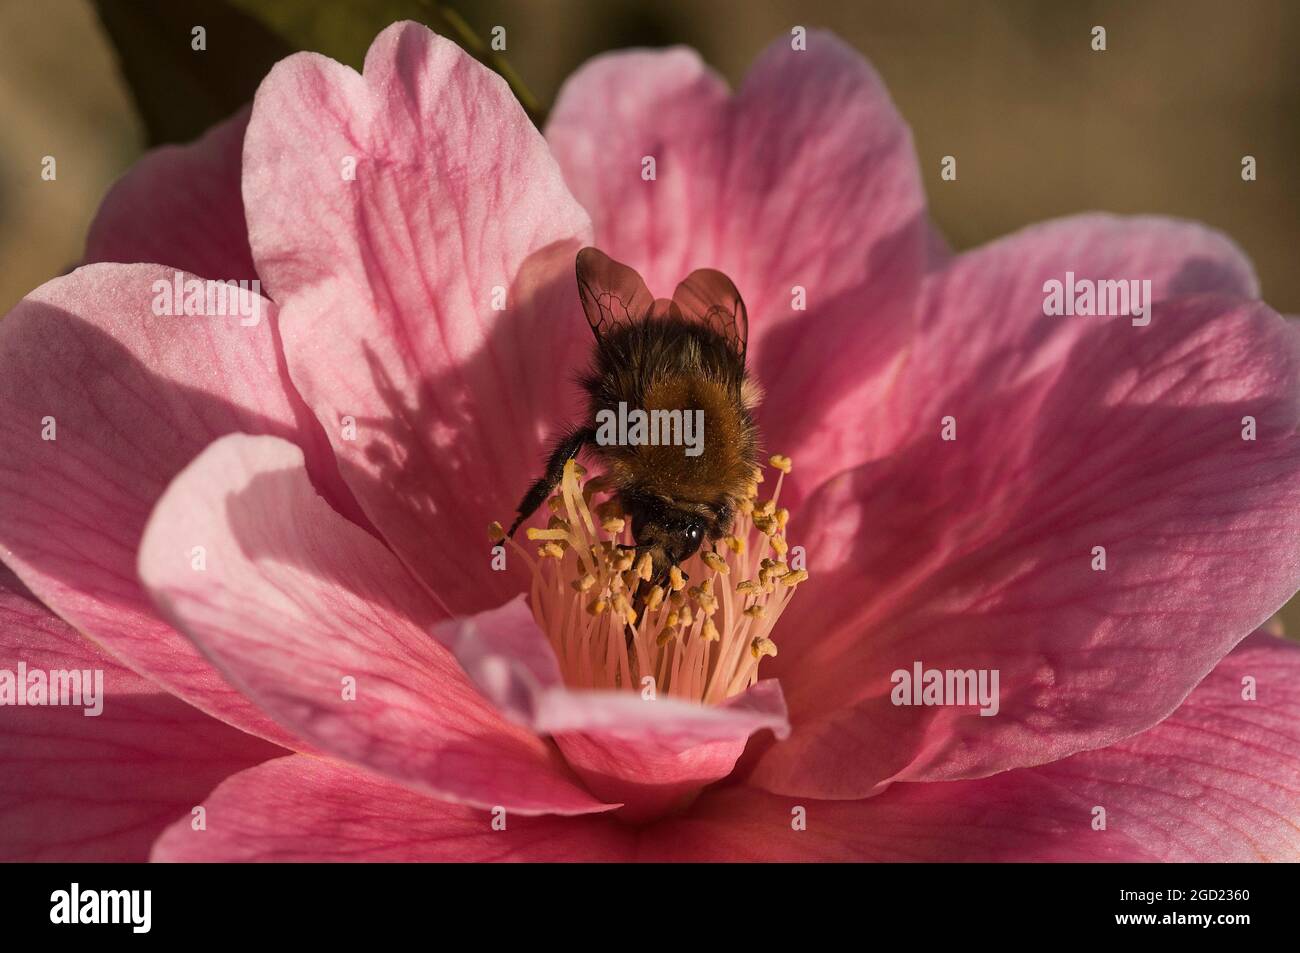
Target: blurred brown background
column 1040, row 124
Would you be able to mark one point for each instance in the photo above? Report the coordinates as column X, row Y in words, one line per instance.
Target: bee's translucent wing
column 611, row 292
column 709, row 297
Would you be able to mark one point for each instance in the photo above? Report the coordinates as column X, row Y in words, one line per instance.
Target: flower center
column 611, row 628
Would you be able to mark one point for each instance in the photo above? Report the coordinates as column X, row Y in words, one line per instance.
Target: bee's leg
column 661, row 577
column 565, row 449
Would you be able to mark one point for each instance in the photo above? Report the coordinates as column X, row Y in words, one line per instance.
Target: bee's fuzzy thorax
column 673, row 364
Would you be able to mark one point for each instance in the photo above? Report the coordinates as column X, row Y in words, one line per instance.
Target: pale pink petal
column 79, row 787
column 180, row 206
column 309, row 809
column 804, row 179
column 978, row 553
column 649, row 753
column 314, row 619
column 129, row 398
column 1218, row 780
column 392, row 285
column 982, row 326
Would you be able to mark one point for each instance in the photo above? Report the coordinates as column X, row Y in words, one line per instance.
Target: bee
column 683, row 354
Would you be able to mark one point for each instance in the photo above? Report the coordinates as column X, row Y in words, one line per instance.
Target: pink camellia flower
column 269, row 528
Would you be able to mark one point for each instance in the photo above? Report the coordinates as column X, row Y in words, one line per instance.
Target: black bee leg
column 565, row 449
column 661, row 578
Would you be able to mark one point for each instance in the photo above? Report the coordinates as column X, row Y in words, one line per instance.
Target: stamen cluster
column 612, row 628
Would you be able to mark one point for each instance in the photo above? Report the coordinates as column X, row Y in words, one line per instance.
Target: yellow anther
column 716, row 563
column 553, row 549
column 784, row 464
column 535, row 533
column 794, row 577
column 755, row 612
column 656, row 596
column 613, row 525
column 675, row 579
column 782, row 517
column 736, row 544
column 496, row 532
column 762, row 646
column 597, row 606
column 624, row 608
column 702, row 596
column 584, row 583
column 779, row 544
column 645, row 566
column 709, row 631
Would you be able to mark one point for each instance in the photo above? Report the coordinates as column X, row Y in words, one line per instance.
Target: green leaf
column 343, row 29
column 180, row 91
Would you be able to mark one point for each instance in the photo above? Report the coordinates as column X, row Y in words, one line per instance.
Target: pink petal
column 180, row 206
column 805, row 177
column 99, row 787
column 964, row 354
column 133, row 397
column 295, row 601
column 1218, row 780
column 977, row 553
column 308, row 809
column 651, row 754
column 387, row 286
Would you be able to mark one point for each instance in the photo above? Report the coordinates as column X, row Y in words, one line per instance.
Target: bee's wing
column 611, row 292
column 709, row 297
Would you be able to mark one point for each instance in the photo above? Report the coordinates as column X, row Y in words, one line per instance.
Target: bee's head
column 670, row 533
